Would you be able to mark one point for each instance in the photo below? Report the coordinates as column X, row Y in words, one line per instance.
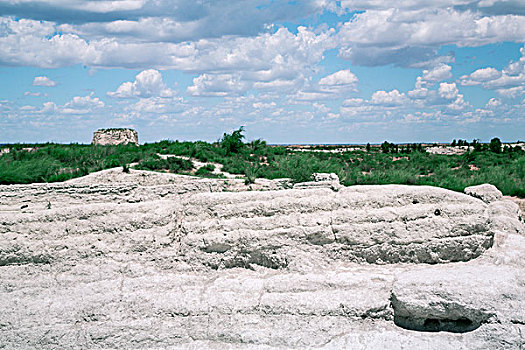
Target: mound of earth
column 149, row 260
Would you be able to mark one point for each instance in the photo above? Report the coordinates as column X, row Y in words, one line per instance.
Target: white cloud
column 485, row 6
column 479, row 76
column 448, row 91
column 259, row 105
column 165, row 20
column 493, row 103
column 353, row 102
column 321, row 107
column 314, row 95
column 217, row 85
column 459, row 103
column 77, row 105
column 340, row 78
column 511, row 92
column 391, row 98
column 99, row 6
column 49, row 107
column 147, row 83
column 157, row 105
column 30, row 93
column 43, row 81
column 508, row 82
column 410, row 36
column 332, row 86
column 36, row 43
column 439, row 73
column 485, row 74
column 419, row 91
column 85, row 102
column 268, row 61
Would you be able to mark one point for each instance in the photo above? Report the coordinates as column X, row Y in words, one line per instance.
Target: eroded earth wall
column 173, row 261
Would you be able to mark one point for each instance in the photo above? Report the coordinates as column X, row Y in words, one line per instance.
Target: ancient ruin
column 151, row 260
column 115, row 137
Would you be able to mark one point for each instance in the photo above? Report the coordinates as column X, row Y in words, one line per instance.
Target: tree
column 232, row 143
column 368, row 147
column 477, row 145
column 385, row 147
column 453, row 144
column 495, row 145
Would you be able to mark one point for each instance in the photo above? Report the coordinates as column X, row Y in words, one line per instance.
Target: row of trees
column 387, row 147
column 494, row 146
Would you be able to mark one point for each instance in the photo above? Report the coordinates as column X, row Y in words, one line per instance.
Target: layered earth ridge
column 148, row 260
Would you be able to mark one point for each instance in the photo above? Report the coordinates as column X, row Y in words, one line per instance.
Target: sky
column 310, row 71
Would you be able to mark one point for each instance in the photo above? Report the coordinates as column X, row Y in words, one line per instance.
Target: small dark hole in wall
column 460, row 325
column 437, row 212
column 431, row 324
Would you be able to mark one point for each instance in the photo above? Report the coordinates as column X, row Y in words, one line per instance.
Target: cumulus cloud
column 164, row 20
column 232, row 47
column 480, row 76
column 340, row 78
column 419, row 92
column 391, row 98
column 77, row 105
column 157, row 105
column 511, row 92
column 353, row 102
column 508, row 82
column 332, row 86
column 439, row 73
column 458, row 104
column 280, row 61
column 147, row 83
column 484, row 6
column 85, row 102
column 448, row 91
column 217, row 85
column 267, row 61
column 49, row 107
column 43, row 81
column 412, row 35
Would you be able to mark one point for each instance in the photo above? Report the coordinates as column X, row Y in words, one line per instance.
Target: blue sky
column 312, row 71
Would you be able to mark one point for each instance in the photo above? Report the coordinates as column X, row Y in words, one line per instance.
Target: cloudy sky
column 304, row 71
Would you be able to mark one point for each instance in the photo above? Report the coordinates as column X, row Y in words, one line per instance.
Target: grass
column 57, row 162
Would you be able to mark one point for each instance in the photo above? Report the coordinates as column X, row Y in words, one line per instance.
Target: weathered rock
column 487, row 193
column 115, row 137
column 145, row 260
column 320, row 180
column 458, row 298
column 275, row 229
column 325, row 177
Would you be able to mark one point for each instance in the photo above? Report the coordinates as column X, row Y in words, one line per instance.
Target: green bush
column 232, row 143
column 205, row 170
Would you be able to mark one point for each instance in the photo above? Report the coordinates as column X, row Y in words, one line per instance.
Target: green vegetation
column 205, row 170
column 388, row 163
column 170, row 164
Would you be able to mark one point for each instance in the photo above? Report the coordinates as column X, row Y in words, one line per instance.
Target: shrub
column 495, row 145
column 205, row 170
column 232, row 143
